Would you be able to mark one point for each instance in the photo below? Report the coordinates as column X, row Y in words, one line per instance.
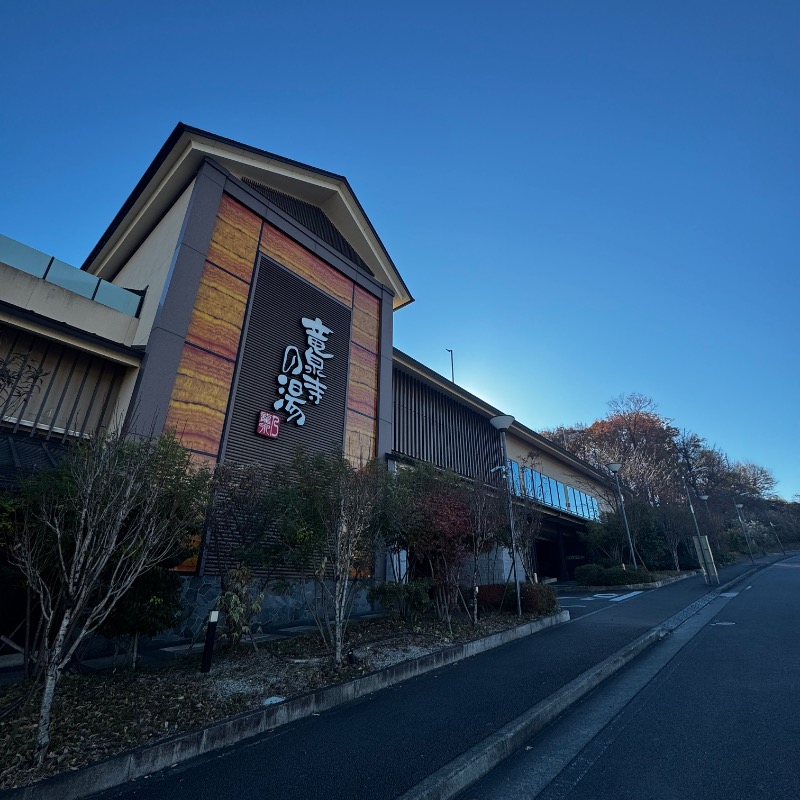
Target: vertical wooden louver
column 431, row 427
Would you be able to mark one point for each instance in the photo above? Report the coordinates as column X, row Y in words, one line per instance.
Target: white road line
column 624, row 597
column 729, row 594
column 573, row 606
column 606, row 596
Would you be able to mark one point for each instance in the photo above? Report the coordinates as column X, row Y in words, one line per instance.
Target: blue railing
column 40, row 265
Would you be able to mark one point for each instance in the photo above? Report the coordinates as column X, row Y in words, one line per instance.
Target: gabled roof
column 181, row 157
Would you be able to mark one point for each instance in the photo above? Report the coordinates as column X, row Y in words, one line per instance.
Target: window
column 527, row 475
column 582, row 504
column 547, row 496
column 572, row 503
column 515, row 477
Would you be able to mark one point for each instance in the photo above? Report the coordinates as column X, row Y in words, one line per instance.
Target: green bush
column 496, row 597
column 595, row 575
column 589, row 575
column 406, row 600
column 617, row 576
column 538, row 598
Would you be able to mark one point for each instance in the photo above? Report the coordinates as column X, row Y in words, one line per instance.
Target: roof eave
column 523, row 432
column 178, row 160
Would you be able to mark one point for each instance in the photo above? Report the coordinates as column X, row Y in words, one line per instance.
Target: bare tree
column 675, row 528
column 486, row 514
column 113, row 510
column 330, row 510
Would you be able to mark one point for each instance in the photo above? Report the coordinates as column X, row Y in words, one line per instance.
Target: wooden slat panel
column 359, row 438
column 302, row 262
column 71, row 394
column 366, row 320
column 234, row 242
column 199, row 399
column 362, row 390
column 218, row 315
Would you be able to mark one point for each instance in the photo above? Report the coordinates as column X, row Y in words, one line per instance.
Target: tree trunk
column 475, row 593
column 339, row 601
column 52, row 675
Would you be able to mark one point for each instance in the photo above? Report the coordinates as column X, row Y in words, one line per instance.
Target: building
column 245, row 301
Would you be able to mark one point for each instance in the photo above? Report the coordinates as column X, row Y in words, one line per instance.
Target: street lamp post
column 774, row 533
column 744, row 530
column 614, row 467
column 503, row 423
column 704, row 498
column 706, row 567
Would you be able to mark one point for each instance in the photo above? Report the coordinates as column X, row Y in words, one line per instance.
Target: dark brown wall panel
column 280, row 300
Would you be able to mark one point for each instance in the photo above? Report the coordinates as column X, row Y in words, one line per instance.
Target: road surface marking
column 605, row 596
column 729, row 594
column 722, row 623
column 624, row 597
column 573, row 606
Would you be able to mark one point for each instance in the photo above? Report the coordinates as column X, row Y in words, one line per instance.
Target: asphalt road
column 712, row 712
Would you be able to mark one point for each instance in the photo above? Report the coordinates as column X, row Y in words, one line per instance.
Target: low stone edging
column 148, row 759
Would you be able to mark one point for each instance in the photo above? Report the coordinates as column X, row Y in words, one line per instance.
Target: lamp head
column 503, row 422
column 704, row 497
column 738, row 505
column 614, row 467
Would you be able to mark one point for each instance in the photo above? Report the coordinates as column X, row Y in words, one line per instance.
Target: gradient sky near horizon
column 585, row 198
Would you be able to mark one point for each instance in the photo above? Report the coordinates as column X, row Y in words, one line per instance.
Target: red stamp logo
column 268, row 424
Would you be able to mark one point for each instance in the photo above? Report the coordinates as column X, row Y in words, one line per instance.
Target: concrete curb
column 462, row 772
column 482, row 758
column 148, row 759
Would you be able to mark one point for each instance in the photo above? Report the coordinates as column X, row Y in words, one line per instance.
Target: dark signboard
column 291, row 390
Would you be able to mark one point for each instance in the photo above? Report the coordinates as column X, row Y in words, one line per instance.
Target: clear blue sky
column 585, row 198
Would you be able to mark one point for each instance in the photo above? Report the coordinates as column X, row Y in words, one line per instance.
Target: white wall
column 151, row 264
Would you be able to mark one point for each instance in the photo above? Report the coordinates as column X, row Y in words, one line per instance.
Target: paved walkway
column 383, row 745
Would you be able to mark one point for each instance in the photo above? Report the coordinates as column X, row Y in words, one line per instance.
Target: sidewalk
column 384, row 745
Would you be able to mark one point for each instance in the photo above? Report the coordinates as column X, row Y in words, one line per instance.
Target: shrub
column 589, row 575
column 617, row 576
column 595, row 575
column 406, row 600
column 725, row 559
column 496, row 596
column 239, row 604
column 538, row 598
